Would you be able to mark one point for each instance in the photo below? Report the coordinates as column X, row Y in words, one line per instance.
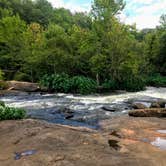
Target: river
column 78, row 110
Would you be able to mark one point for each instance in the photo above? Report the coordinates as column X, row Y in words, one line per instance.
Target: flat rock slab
column 149, row 112
column 58, row 145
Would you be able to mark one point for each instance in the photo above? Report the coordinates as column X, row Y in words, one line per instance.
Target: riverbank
column 121, row 141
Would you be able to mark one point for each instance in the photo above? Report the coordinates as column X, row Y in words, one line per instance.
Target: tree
column 34, row 49
column 163, row 21
column 105, row 9
column 58, row 49
column 11, row 42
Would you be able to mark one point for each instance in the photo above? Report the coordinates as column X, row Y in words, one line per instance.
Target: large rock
column 23, row 86
column 155, row 105
column 158, row 104
column 149, row 112
column 138, row 106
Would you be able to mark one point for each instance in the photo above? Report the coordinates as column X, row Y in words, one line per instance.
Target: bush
column 1, row 75
column 21, row 77
column 83, row 85
column 133, row 84
column 2, row 103
column 156, row 80
column 64, row 83
column 3, row 85
column 9, row 113
column 56, row 82
column 110, row 85
column 129, row 84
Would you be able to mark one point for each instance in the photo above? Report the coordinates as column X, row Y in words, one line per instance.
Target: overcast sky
column 145, row 13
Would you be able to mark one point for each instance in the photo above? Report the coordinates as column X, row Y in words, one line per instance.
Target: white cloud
column 71, row 4
column 145, row 13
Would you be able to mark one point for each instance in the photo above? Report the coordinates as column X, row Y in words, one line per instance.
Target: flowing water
column 80, row 110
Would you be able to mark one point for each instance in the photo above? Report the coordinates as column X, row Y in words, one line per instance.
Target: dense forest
column 77, row 52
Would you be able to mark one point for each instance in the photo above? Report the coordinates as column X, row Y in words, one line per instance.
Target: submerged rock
column 151, row 112
column 107, row 108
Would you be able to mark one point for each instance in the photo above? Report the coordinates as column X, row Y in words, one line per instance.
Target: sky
column 145, row 13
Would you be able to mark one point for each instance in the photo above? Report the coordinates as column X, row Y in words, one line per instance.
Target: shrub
column 21, row 77
column 56, row 82
column 3, row 85
column 156, row 80
column 9, row 113
column 64, row 83
column 1, row 75
column 133, row 84
column 83, row 85
column 110, row 85
column 2, row 103
column 129, row 84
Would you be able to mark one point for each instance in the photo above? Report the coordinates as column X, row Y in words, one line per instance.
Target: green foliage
column 9, row 113
column 3, row 85
column 110, row 85
column 156, row 80
column 21, row 77
column 11, row 42
column 56, row 82
column 1, row 75
column 83, row 85
column 66, row 84
column 133, row 84
column 2, row 103
column 37, row 39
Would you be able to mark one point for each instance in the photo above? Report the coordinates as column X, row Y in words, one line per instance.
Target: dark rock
column 149, row 112
column 115, row 133
column 114, row 144
column 107, row 108
column 66, row 110
column 158, row 104
column 138, row 106
column 69, row 116
column 162, row 103
column 155, row 105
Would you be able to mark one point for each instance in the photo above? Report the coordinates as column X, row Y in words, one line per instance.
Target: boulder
column 155, row 105
column 149, row 112
column 107, row 108
column 138, row 106
column 23, row 86
column 158, row 104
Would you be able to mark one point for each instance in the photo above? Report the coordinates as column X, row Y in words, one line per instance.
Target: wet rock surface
column 65, row 145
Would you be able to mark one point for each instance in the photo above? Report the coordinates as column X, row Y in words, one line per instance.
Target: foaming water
column 86, row 109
